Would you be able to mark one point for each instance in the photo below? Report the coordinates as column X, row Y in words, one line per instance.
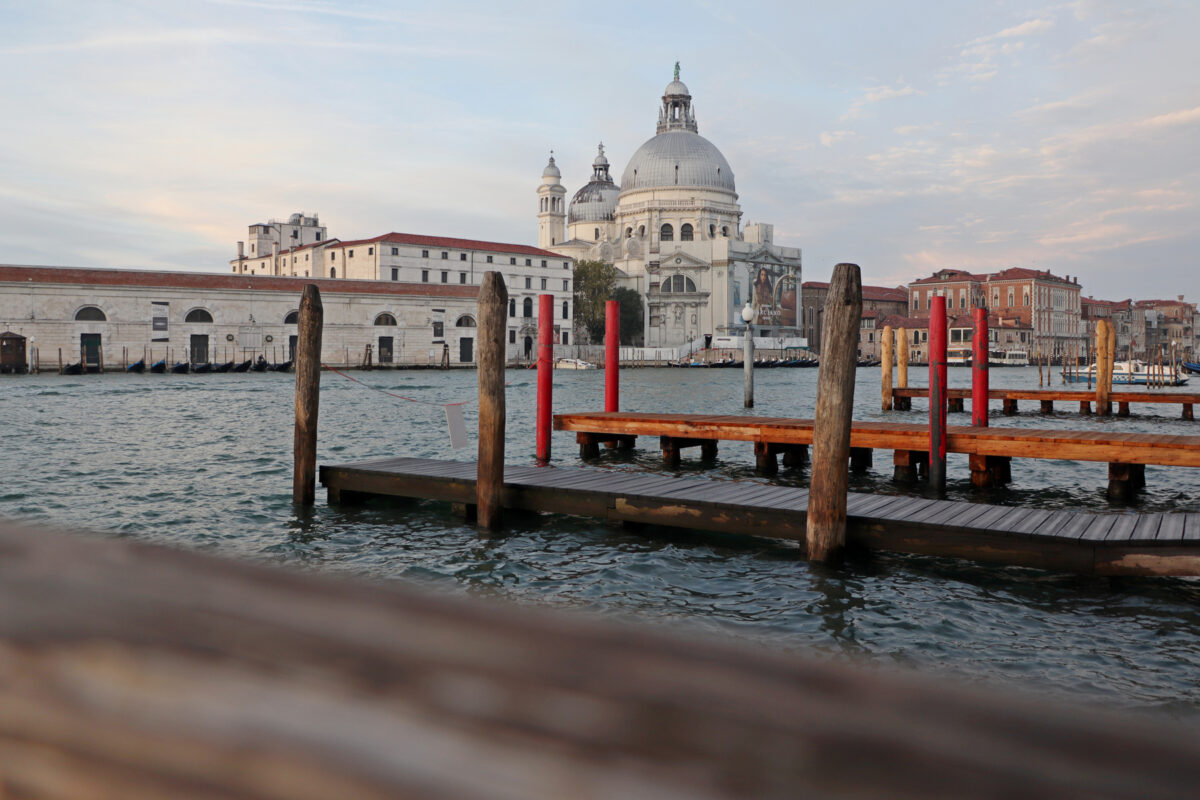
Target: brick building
column 886, row 301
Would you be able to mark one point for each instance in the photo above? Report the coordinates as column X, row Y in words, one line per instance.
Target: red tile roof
column 455, row 244
column 209, row 280
column 898, row 294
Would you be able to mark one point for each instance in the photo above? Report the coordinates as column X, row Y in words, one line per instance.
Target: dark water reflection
column 205, row 461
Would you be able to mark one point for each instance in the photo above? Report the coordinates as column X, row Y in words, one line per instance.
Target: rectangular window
column 543, row 284
column 529, row 262
column 395, row 274
column 529, row 283
column 566, row 265
column 462, row 256
column 462, row 277
column 445, row 277
column 543, row 262
column 395, row 251
column 424, row 254
column 512, row 260
column 424, row 276
column 565, row 340
column 318, row 236
column 512, row 337
column 445, row 255
column 565, row 285
column 332, row 255
column 370, row 251
column 350, row 254
column 489, row 259
column 438, row 329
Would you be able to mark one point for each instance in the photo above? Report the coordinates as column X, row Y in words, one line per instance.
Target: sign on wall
column 771, row 289
column 158, row 321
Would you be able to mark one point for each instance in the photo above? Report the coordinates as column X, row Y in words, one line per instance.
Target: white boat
column 1008, row 358
column 958, row 356
column 573, row 363
column 1134, row 373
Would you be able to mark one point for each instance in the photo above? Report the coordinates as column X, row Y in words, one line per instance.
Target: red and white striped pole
column 979, row 369
column 545, row 374
column 937, row 394
column 612, row 355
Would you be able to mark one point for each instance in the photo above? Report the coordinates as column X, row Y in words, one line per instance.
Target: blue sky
column 903, row 136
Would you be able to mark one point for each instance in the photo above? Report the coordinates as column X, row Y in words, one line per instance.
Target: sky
column 905, row 137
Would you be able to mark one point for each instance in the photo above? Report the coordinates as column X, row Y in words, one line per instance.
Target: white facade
column 673, row 230
column 267, row 238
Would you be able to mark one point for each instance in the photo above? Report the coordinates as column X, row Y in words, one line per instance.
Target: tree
column 594, row 282
column 631, row 316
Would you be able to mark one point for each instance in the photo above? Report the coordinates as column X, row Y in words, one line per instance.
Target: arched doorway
column 528, row 347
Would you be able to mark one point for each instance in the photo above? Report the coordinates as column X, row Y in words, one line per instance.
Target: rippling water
column 205, row 461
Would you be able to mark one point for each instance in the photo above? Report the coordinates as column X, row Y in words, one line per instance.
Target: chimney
column 241, row 250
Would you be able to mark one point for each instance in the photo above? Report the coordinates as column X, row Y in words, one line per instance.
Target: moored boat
column 1134, row 373
column 73, row 369
column 242, row 367
column 281, row 367
column 202, row 368
column 138, row 366
column 159, row 366
column 228, row 365
column 573, row 363
column 180, row 368
column 1008, row 358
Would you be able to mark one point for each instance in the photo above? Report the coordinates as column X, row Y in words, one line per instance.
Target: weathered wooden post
column 612, row 356
column 937, row 393
column 489, row 481
column 826, row 524
column 1103, row 406
column 979, row 369
column 885, row 367
column 902, row 366
column 545, row 374
column 1110, row 338
column 308, row 394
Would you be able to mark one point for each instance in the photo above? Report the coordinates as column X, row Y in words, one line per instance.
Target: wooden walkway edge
column 129, row 670
column 1106, row 544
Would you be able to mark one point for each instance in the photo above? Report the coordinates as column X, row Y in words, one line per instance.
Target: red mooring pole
column 979, row 369
column 612, row 353
column 545, row 374
column 937, row 394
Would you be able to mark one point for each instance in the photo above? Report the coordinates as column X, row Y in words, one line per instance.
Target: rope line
column 393, row 394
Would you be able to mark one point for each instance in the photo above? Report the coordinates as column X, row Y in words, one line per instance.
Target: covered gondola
column 243, row 367
column 228, row 365
column 159, row 366
column 138, row 366
column 180, row 368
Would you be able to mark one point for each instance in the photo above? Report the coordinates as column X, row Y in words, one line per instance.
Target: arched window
column 679, row 283
column 292, row 318
column 465, row 321
column 385, row 319
column 666, row 233
column 333, row 272
column 1026, row 297
column 712, row 231
column 198, row 315
column 527, row 307
column 685, row 232
column 641, row 231
column 565, row 309
column 629, row 233
column 512, row 307
column 725, row 230
column 90, row 314
column 597, row 235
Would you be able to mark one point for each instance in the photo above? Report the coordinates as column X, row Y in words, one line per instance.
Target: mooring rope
column 393, row 394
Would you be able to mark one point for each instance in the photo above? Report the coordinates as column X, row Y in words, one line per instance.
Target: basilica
column 673, row 229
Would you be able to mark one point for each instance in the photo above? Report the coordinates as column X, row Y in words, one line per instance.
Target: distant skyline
column 903, row 137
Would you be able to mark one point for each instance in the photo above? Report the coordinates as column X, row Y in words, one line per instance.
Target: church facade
column 673, row 229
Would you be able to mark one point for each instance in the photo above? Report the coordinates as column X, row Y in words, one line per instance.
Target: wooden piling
column 979, row 369
column 612, row 356
column 885, row 366
column 1103, row 406
column 545, row 376
column 902, row 403
column 493, row 309
column 937, row 393
column 1110, row 353
column 826, row 524
column 309, row 325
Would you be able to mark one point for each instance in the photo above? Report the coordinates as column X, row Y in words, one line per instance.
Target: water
column 205, row 462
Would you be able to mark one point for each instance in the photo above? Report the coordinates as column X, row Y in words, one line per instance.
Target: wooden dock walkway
column 990, row 449
column 1105, row 544
column 1046, row 398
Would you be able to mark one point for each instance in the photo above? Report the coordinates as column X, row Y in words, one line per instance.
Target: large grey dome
column 678, row 158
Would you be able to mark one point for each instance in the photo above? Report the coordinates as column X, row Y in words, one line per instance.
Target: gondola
column 284, row 367
column 228, row 365
column 159, row 366
column 180, row 368
column 1192, row 367
column 138, row 366
column 73, row 369
column 242, row 367
column 202, row 368
column 261, row 365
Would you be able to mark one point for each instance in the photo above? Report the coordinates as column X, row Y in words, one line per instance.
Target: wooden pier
column 1046, row 398
column 1103, row 544
column 990, row 449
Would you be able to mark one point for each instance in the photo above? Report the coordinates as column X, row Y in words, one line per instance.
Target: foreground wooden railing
column 128, row 670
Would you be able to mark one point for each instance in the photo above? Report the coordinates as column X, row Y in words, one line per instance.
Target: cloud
column 1033, row 26
column 830, row 138
column 980, row 55
column 876, row 94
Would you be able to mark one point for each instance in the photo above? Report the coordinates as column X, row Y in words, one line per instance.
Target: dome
column 677, row 87
column 595, row 202
column 551, row 171
column 678, row 158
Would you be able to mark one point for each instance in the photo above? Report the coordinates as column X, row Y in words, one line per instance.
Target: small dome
column 551, row 171
column 678, row 158
column 595, row 202
column 677, row 87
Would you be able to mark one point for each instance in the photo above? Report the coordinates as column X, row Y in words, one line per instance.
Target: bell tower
column 552, row 207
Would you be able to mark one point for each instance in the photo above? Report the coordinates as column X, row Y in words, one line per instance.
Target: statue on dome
column 676, row 70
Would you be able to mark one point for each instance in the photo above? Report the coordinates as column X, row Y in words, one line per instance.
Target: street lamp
column 748, row 353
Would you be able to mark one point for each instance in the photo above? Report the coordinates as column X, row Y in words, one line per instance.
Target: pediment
column 682, row 260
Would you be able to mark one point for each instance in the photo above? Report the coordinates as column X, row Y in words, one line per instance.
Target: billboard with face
column 771, row 289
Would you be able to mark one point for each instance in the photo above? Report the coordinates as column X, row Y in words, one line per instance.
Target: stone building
column 673, row 229
column 418, row 259
column 882, row 300
column 120, row 316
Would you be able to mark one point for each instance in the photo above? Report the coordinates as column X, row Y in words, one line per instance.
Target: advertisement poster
column 772, row 292
column 158, row 321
